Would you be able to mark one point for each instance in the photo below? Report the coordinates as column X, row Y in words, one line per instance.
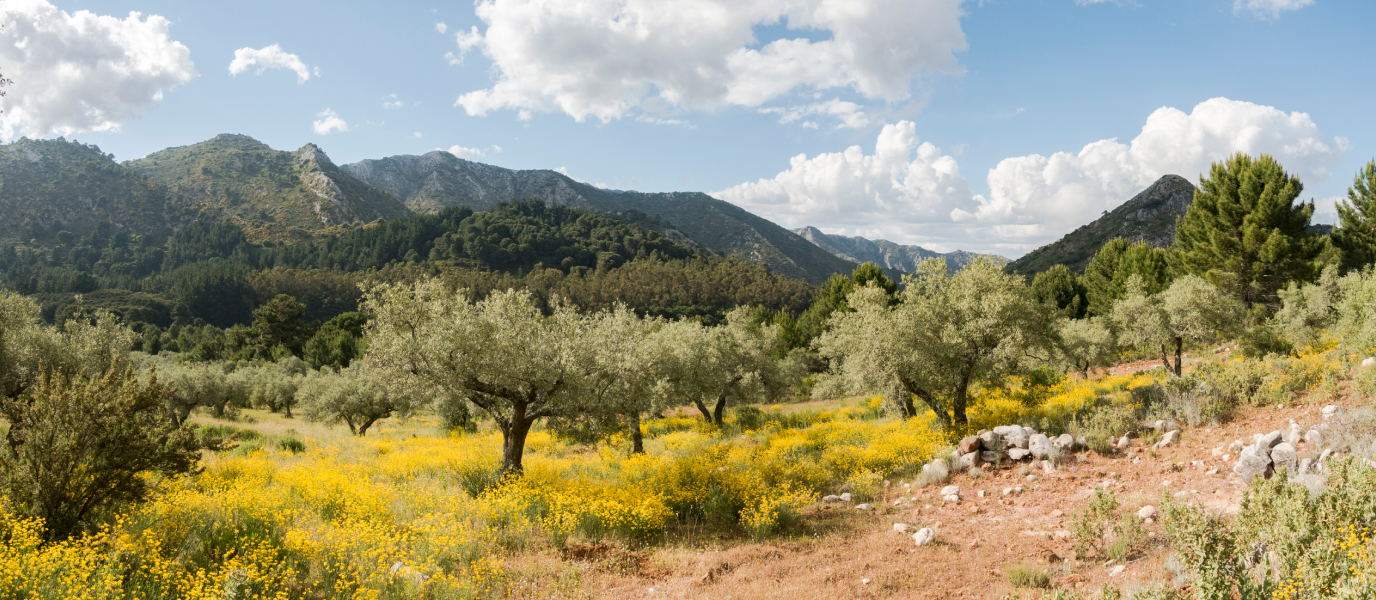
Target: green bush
column 1261, row 341
column 749, row 418
column 291, row 444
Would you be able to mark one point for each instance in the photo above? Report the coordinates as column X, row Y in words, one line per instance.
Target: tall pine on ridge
column 1356, row 231
column 1244, row 231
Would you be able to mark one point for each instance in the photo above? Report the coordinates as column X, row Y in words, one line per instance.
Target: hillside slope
column 272, row 193
column 1149, row 216
column 47, row 186
column 438, row 180
column 898, row 258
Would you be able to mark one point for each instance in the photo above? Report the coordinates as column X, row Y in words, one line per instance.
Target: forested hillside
column 274, row 194
column 436, row 180
column 893, row 258
column 51, row 186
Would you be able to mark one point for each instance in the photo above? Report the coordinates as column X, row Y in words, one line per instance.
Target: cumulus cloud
column 604, row 59
column 463, row 152
column 327, row 122
column 904, row 181
column 269, row 57
column 390, row 101
column 79, row 72
column 1269, row 9
column 1043, row 196
column 441, row 27
column 916, row 194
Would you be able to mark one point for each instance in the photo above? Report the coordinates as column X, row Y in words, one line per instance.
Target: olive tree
column 353, row 395
column 1087, row 343
column 508, row 358
column 1191, row 309
column 1308, row 309
column 732, row 362
column 945, row 333
column 86, row 346
column 625, row 363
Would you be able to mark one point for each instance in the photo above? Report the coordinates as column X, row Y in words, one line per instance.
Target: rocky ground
column 854, row 553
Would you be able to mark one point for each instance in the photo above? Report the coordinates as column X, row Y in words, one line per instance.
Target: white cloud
column 441, row 27
column 390, row 101
column 496, row 149
column 849, row 114
column 79, row 72
column 1269, row 9
column 604, row 59
column 416, row 135
column 463, row 152
column 328, row 121
column 918, row 195
column 270, row 57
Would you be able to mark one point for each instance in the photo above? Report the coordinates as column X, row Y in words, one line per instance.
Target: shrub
column 1263, row 341
column 81, row 446
column 1027, row 576
column 748, row 418
column 1100, row 531
column 291, row 444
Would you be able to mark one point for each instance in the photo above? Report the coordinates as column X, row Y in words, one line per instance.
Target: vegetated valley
column 216, row 386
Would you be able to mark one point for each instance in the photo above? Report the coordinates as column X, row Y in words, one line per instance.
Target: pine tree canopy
column 1244, row 231
column 1356, row 232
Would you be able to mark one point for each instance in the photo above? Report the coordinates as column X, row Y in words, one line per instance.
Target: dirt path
column 858, row 554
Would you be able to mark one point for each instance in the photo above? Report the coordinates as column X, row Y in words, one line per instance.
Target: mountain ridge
column 894, row 257
column 1148, row 216
column 436, row 180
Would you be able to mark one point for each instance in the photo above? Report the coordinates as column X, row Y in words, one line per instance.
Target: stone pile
column 1271, row 452
column 1010, row 442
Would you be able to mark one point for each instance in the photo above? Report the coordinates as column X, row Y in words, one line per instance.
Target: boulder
column 1283, row 456
column 1048, row 466
column 1331, row 411
column 950, row 490
column 846, row 497
column 1146, row 512
column 969, row 444
column 902, row 527
column 1293, row 435
column 863, row 507
column 1370, row 361
column 1270, row 440
column 1013, row 436
column 1313, row 437
column 1066, row 442
column 991, row 442
column 968, row 461
column 1305, row 463
column 1159, row 425
column 1040, row 446
column 1250, row 466
column 988, row 456
column 1124, row 442
column 924, row 536
column 1169, row 439
column 831, row 498
column 1018, row 453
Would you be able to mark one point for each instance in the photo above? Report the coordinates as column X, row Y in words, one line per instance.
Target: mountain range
column 52, row 185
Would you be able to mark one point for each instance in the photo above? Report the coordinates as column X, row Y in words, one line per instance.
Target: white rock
column 902, row 527
column 1124, row 442
column 951, row 498
column 846, row 497
column 1048, row 466
column 1040, row 445
column 865, row 581
column 1146, row 512
column 1018, row 453
column 863, row 507
column 950, row 490
column 1332, row 410
column 924, row 536
column 1369, row 362
column 1166, row 440
column 1284, row 456
column 1313, row 437
column 1116, row 571
column 831, row 498
column 1065, row 442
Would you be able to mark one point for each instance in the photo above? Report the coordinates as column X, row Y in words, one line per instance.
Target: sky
column 990, row 126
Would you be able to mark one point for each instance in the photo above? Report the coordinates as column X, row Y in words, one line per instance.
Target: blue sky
column 946, row 117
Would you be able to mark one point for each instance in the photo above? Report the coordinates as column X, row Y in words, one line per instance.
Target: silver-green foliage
column 944, row 333
column 82, row 346
column 1307, row 310
column 1191, row 309
column 354, row 395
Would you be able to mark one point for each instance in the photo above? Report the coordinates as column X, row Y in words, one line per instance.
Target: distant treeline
column 211, row 273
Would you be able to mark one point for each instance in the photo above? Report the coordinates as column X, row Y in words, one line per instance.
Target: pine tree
column 1356, row 231
column 1059, row 288
column 1098, row 278
column 1244, row 231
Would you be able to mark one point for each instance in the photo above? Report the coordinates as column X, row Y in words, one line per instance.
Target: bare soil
column 841, row 552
